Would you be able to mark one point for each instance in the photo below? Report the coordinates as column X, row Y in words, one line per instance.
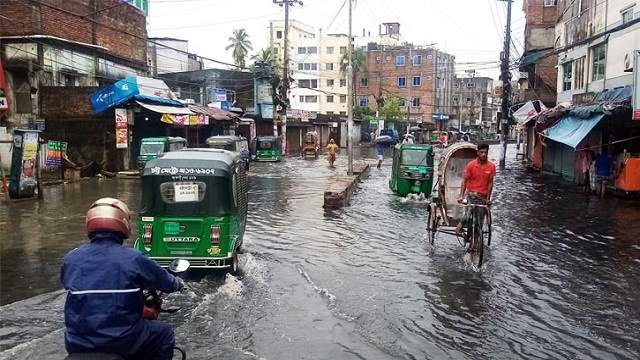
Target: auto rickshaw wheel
column 233, row 265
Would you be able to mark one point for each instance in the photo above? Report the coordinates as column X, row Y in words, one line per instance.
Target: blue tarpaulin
column 132, row 87
column 571, row 130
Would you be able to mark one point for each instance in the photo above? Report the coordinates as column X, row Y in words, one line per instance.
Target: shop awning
column 571, row 130
column 132, row 87
column 213, row 113
column 165, row 109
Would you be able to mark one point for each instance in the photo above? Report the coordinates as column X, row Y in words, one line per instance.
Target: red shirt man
column 478, row 176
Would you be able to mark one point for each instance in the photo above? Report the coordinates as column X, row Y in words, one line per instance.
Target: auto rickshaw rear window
column 151, row 148
column 414, row 157
column 265, row 145
column 182, row 192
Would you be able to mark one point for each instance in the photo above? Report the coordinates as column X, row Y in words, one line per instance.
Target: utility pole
column 409, row 83
column 273, row 66
column 505, row 75
column 285, row 67
column 350, row 99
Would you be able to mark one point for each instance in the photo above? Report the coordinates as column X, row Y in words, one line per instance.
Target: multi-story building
column 538, row 63
column 333, row 84
column 473, row 104
column 406, row 73
column 445, row 80
column 388, row 35
column 595, row 41
column 169, row 55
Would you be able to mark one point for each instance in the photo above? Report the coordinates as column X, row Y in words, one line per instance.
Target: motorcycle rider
column 104, row 282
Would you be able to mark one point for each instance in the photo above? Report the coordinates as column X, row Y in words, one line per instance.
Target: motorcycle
column 152, row 309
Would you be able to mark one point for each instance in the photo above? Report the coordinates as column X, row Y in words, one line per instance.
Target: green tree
column 391, row 110
column 241, row 45
column 359, row 64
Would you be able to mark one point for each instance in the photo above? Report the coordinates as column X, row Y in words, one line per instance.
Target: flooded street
column 560, row 280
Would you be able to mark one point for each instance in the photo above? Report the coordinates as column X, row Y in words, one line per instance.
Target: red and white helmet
column 108, row 214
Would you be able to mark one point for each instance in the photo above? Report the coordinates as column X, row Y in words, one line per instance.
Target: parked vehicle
column 152, row 147
column 268, row 148
column 412, row 171
column 237, row 144
column 194, row 207
column 311, row 147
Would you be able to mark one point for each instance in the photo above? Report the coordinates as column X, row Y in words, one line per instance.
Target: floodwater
column 560, row 281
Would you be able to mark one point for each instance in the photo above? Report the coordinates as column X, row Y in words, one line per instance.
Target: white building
column 333, row 84
column 595, row 42
column 169, row 55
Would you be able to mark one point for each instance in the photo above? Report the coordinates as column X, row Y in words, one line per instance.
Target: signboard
column 23, row 180
column 4, row 104
column 55, row 152
column 122, row 133
column 373, row 122
column 40, row 125
column 225, row 105
column 439, row 117
column 218, row 95
column 636, row 85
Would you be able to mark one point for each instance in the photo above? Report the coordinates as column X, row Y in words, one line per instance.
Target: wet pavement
column 560, row 281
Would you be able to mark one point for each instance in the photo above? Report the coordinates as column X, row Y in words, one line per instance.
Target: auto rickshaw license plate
column 172, row 228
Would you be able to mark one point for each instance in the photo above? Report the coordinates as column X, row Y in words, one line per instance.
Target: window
column 578, row 80
column 627, row 14
column 279, row 34
column 311, row 98
column 364, row 101
column 567, row 71
column 329, row 66
column 364, row 82
column 301, row 98
column 343, row 113
column 343, row 50
column 470, row 85
column 598, row 56
column 343, row 82
column 343, row 99
column 329, row 82
column 550, row 2
column 275, row 51
column 312, row 50
column 415, row 102
column 417, row 60
column 301, row 66
column 329, row 50
column 417, row 81
column 302, row 50
column 400, row 60
column 308, row 66
column 329, row 98
column 455, row 99
column 308, row 83
column 402, row 81
column 468, row 100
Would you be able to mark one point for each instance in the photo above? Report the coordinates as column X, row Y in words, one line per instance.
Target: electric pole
column 285, row 69
column 505, row 75
column 350, row 100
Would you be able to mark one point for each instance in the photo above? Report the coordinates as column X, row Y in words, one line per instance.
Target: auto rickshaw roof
column 226, row 137
column 196, row 161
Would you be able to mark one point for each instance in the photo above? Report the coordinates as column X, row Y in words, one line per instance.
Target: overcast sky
column 472, row 30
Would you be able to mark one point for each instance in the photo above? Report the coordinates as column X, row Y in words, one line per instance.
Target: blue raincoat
column 103, row 310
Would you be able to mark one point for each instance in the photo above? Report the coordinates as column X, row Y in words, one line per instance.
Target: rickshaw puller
column 477, row 184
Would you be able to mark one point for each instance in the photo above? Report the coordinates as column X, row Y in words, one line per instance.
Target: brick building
column 405, row 73
column 473, row 105
column 538, row 63
column 52, row 50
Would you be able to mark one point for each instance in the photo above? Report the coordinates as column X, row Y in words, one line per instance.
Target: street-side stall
column 140, row 104
column 586, row 137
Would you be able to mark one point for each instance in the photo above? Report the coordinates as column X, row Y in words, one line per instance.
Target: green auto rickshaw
column 412, row 171
column 152, row 147
column 194, row 207
column 268, row 148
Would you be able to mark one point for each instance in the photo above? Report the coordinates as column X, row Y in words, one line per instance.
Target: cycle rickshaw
column 445, row 213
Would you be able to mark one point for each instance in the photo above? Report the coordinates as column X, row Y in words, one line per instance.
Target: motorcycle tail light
column 215, row 235
column 147, row 234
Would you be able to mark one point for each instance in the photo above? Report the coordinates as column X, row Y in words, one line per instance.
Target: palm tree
column 241, row 45
column 359, row 65
column 264, row 55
